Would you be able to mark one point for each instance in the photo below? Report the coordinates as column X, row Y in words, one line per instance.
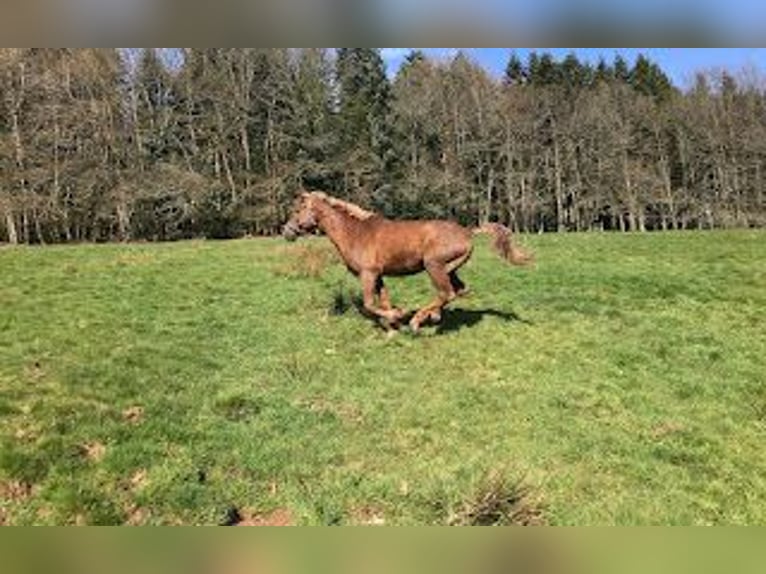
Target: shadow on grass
column 455, row 319
column 343, row 301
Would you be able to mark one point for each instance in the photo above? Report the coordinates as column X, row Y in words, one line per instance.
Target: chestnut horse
column 372, row 247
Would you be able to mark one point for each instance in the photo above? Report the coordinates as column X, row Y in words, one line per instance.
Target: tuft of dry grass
column 305, row 260
column 498, row 501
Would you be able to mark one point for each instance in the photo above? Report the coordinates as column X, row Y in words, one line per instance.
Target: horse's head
column 303, row 219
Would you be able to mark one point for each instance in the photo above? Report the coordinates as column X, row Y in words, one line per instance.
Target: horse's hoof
column 389, row 324
column 398, row 314
column 435, row 317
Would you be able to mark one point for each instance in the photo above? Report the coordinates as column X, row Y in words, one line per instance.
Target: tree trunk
column 10, row 225
column 136, row 128
column 246, row 153
column 229, row 177
column 488, row 196
column 19, row 157
column 558, row 189
column 523, row 201
column 123, row 218
column 629, row 193
column 38, row 228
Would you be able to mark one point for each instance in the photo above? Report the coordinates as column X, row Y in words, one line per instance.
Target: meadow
column 622, row 380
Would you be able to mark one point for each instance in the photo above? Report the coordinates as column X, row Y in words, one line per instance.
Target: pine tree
column 641, row 76
column 573, row 74
column 533, row 68
column 548, row 73
column 364, row 98
column 515, row 74
column 648, row 79
column 364, row 103
column 603, row 72
column 313, row 116
column 621, row 69
column 413, row 58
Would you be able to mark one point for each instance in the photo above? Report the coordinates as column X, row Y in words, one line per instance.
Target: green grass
column 622, row 381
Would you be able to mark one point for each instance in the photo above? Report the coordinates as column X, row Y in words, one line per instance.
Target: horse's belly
column 403, row 264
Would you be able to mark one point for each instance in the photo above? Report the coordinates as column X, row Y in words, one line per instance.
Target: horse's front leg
column 370, row 288
column 384, row 298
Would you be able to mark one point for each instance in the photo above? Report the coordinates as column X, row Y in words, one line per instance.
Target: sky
column 679, row 63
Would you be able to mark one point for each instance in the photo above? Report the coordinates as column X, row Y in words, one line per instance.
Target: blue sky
column 679, row 63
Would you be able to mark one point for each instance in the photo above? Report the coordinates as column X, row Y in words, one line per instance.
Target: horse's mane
column 350, row 208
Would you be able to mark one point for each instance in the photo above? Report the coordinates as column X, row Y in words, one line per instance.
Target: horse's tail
column 501, row 241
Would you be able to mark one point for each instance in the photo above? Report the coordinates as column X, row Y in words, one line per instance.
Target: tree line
column 104, row 144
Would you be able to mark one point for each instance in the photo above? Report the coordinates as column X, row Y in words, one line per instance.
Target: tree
column 317, row 141
column 175, row 143
column 648, row 79
column 603, row 72
column 364, row 103
column 515, row 74
column 621, row 69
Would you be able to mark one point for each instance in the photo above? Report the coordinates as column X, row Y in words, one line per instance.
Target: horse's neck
column 341, row 228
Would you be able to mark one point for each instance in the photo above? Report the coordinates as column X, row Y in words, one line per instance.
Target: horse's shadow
column 456, row 319
column 452, row 319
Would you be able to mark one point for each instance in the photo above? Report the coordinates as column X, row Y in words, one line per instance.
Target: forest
column 147, row 144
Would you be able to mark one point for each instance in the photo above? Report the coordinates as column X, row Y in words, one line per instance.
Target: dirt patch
column 44, row 513
column 344, row 411
column 248, row 517
column 133, row 415
column 665, row 429
column 138, row 480
column 239, row 408
column 13, row 492
column 131, row 259
column 34, row 371
column 26, row 434
column 16, row 490
column 367, row 516
column 93, row 451
column 136, row 515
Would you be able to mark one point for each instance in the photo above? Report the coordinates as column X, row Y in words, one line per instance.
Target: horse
column 373, row 246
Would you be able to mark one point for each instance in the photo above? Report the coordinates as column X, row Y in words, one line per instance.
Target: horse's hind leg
column 460, row 288
column 441, row 280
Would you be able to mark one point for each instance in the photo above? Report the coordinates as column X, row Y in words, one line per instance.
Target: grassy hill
column 621, row 381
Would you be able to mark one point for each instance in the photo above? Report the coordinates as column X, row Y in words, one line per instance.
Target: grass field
column 621, row 381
